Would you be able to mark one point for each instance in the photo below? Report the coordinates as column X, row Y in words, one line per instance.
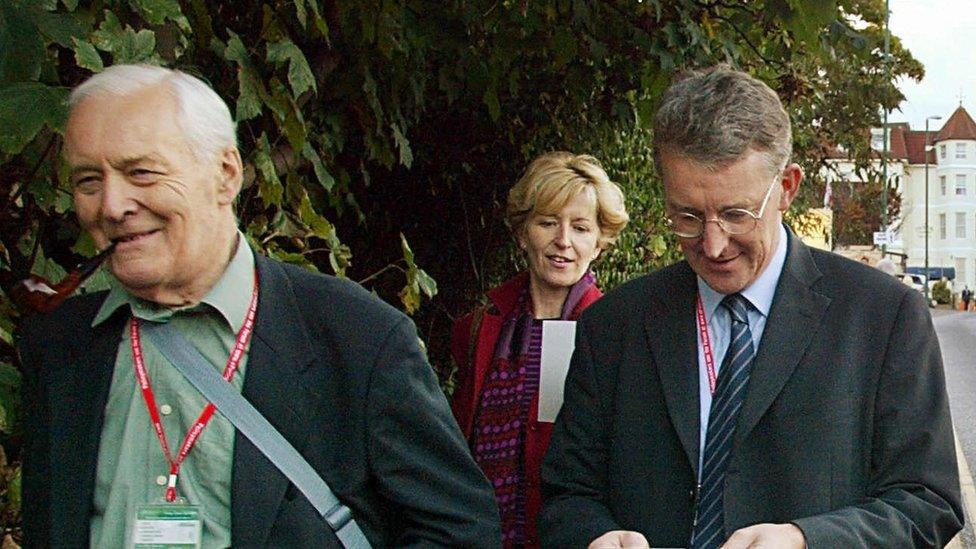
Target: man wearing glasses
column 759, row 393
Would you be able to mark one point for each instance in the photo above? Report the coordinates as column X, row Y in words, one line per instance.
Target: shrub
column 941, row 292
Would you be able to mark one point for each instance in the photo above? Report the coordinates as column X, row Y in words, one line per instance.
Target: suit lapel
column 795, row 314
column 76, row 420
column 670, row 325
column 280, row 349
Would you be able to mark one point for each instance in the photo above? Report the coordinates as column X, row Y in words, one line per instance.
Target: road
column 957, row 337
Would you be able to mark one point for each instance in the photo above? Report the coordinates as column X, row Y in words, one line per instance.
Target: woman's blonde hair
column 553, row 179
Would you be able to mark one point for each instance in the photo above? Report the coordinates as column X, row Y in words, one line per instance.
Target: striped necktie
column 709, row 529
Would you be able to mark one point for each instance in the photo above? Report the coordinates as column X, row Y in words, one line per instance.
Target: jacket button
column 533, row 426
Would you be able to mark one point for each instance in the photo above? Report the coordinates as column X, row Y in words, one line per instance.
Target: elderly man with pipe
column 124, row 450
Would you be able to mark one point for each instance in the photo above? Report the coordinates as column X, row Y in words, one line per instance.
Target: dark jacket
column 845, row 428
column 339, row 373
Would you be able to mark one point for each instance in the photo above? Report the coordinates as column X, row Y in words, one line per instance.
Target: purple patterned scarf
column 498, row 437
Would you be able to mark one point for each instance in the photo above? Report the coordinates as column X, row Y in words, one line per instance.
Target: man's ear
column 231, row 176
column 790, row 180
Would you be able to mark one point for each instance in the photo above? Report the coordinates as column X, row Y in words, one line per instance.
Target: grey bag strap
column 232, row 405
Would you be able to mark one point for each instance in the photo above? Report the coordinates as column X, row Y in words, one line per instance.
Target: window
column 960, row 184
column 960, row 225
column 960, row 150
column 942, row 184
column 877, row 139
column 942, row 226
column 942, row 152
column 961, row 269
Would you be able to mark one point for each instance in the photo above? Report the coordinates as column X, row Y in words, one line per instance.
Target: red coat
column 467, row 390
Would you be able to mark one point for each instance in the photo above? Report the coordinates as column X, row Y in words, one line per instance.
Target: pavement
column 965, row 538
column 957, row 335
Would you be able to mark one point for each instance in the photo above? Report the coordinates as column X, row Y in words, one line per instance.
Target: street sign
column 882, row 238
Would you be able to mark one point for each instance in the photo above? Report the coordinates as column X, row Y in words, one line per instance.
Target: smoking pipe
column 37, row 295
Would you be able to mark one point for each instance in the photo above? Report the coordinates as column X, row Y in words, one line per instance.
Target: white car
column 916, row 281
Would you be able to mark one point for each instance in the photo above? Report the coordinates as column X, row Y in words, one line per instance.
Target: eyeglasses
column 732, row 220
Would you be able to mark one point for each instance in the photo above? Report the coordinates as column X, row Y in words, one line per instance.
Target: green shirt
column 132, row 469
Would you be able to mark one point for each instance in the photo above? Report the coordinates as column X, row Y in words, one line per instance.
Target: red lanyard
column 240, row 346
column 706, row 345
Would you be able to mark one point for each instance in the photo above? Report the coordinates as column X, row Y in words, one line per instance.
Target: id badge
column 167, row 526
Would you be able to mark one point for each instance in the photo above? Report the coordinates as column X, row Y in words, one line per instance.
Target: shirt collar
column 228, row 296
column 762, row 290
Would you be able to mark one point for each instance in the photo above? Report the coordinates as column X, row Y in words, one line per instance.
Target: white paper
column 558, row 342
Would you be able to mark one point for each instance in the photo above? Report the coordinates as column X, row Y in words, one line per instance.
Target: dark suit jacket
column 845, row 429
column 337, row 371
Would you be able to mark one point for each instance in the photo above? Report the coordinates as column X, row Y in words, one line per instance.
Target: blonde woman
column 563, row 212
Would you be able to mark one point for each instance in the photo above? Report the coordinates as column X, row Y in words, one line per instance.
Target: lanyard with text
column 142, row 375
column 706, row 346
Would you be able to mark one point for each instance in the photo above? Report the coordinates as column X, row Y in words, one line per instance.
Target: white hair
column 203, row 116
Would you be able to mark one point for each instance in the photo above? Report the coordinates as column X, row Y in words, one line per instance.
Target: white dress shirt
column 760, row 294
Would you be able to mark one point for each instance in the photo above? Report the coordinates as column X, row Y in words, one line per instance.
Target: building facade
column 950, row 164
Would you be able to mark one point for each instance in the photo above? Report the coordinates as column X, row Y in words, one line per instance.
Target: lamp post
column 885, row 130
column 926, row 150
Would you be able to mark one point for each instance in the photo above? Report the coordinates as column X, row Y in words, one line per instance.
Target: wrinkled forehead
column 109, row 125
column 689, row 185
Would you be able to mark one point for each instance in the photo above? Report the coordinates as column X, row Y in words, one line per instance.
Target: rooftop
column 959, row 126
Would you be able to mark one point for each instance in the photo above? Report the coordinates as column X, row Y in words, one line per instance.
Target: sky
column 942, row 35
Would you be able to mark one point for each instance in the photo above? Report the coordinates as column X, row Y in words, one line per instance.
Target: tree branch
column 37, row 166
column 383, row 270
column 777, row 63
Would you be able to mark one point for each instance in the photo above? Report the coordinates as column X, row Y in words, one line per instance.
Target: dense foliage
column 369, row 128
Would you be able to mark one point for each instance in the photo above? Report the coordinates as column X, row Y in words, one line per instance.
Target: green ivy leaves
column 9, row 392
column 22, row 48
column 86, row 56
column 418, row 282
column 26, row 108
column 299, row 74
column 125, row 43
